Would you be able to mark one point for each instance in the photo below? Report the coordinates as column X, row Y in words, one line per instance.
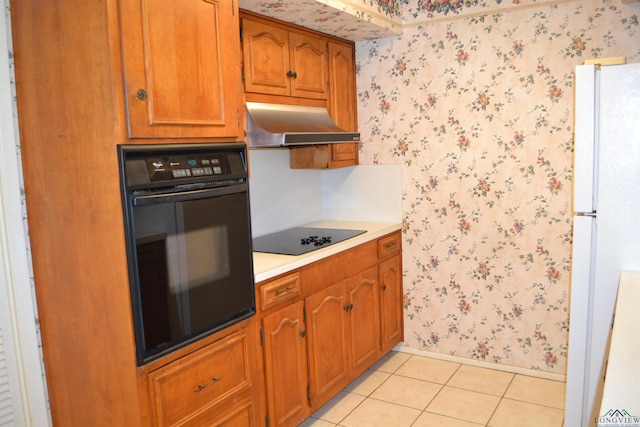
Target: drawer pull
column 390, row 245
column 284, row 291
column 210, row 383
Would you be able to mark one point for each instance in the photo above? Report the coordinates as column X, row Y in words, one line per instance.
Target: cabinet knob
column 303, row 334
column 292, row 74
column 384, row 287
column 141, row 95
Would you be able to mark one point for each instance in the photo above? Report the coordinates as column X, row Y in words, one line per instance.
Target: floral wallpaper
column 478, row 109
column 431, row 8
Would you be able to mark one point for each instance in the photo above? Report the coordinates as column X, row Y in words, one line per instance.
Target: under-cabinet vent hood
column 279, row 125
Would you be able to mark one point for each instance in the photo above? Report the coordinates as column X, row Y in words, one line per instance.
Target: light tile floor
column 404, row 390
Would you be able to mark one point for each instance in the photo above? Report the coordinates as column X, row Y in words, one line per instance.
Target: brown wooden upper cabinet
column 182, row 68
column 342, row 78
column 278, row 61
column 342, row 107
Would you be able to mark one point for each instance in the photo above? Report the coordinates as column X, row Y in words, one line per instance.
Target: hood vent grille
column 279, row 125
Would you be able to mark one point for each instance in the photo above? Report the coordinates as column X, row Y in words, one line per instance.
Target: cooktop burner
column 300, row 240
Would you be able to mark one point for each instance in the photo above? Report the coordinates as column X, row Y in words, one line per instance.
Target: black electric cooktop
column 300, row 240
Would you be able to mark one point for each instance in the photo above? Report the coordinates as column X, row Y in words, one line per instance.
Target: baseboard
column 481, row 364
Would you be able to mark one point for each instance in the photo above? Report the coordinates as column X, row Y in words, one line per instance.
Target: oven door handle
column 143, row 200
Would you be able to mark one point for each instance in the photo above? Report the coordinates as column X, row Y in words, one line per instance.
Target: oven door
column 193, row 266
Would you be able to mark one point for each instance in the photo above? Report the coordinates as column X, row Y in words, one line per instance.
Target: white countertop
column 266, row 266
column 621, row 386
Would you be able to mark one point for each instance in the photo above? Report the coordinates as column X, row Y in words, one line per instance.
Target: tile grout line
column 394, row 373
column 368, row 396
column 501, row 399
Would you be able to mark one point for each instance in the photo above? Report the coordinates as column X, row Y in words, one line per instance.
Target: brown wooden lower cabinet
column 330, row 321
column 343, row 325
column 210, row 386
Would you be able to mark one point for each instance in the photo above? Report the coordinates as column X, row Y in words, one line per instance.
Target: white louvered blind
column 7, row 417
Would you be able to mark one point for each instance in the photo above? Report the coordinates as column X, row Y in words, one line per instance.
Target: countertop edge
column 267, row 266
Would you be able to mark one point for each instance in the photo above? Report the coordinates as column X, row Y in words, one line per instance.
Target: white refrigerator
column 606, row 233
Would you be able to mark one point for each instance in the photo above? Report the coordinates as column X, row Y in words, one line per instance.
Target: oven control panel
column 168, row 165
column 168, row 168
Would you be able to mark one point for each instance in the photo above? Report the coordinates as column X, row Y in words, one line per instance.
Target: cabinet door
column 285, row 355
column 342, row 86
column 182, row 68
column 328, row 349
column 343, row 100
column 309, row 64
column 364, row 320
column 266, row 58
column 391, row 303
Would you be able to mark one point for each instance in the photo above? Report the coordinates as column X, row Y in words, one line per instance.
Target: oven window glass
column 193, row 274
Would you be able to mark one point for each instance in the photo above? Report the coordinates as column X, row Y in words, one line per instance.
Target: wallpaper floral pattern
column 479, row 111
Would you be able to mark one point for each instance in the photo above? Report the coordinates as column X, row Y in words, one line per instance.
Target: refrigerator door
column 618, row 207
column 581, row 298
column 586, row 131
column 615, row 229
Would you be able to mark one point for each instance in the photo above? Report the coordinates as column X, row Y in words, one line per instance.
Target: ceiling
column 340, row 18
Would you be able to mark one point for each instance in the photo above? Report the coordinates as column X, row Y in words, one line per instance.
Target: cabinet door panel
column 182, row 68
column 328, row 350
column 364, row 322
column 343, row 100
column 309, row 62
column 239, row 416
column 391, row 302
column 286, row 365
column 266, row 58
column 342, row 78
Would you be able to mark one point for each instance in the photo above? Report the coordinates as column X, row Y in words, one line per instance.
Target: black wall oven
column 188, row 231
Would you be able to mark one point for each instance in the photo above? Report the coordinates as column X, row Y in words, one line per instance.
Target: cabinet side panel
column 68, row 84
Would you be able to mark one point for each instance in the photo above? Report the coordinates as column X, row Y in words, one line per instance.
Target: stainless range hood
column 279, row 125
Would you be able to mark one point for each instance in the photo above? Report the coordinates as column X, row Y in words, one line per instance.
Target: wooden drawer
column 186, row 389
column 239, row 415
column 389, row 245
column 286, row 288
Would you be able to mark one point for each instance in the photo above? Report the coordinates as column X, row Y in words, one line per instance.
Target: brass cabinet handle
column 284, row 291
column 210, row 383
